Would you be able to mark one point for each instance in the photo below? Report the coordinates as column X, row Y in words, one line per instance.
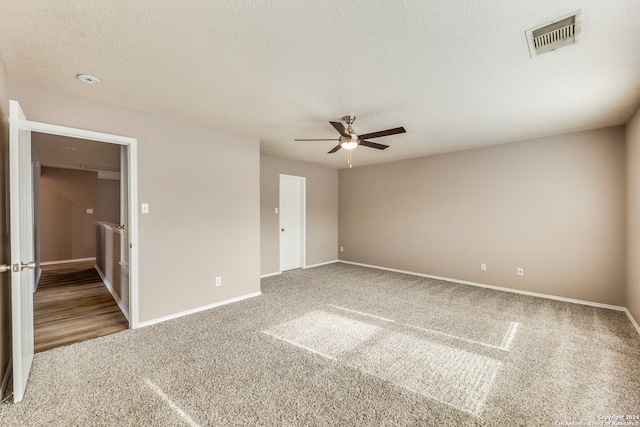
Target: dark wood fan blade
column 382, row 133
column 373, row 145
column 336, row 148
column 340, row 128
column 317, row 139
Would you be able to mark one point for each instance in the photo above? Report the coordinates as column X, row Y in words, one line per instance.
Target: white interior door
column 22, row 247
column 292, row 229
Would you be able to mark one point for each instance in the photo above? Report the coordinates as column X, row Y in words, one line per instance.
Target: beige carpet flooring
column 341, row 345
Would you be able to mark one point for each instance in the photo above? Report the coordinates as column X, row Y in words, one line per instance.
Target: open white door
column 22, row 247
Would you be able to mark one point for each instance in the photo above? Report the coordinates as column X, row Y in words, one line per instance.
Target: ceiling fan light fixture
column 349, row 143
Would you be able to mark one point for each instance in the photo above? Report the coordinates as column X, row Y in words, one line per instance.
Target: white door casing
column 292, row 222
column 22, row 247
column 131, row 145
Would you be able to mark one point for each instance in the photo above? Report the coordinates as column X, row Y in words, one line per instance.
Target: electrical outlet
column 218, row 281
column 341, row 248
column 483, row 267
column 520, row 271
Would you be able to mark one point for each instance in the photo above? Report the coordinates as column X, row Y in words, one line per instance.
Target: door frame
column 303, row 219
column 132, row 159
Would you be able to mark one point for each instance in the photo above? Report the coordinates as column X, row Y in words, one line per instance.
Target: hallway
column 73, row 305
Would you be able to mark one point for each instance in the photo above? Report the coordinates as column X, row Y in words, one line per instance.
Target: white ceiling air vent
column 555, row 34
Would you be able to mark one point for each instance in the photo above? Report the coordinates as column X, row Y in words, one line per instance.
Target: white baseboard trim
column 305, row 267
column 321, row 264
column 116, row 297
column 67, row 261
column 271, row 274
column 633, row 321
column 497, row 288
column 197, row 310
column 5, row 377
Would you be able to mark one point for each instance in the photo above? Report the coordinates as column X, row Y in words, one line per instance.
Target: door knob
column 4, row 268
column 19, row 267
column 30, row 265
column 282, row 229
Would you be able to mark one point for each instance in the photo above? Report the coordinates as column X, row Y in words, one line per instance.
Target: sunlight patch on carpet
column 323, row 333
column 452, row 376
column 504, row 345
column 486, row 334
column 171, row 403
column 449, row 375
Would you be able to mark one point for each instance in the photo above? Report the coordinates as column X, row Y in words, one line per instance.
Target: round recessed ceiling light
column 72, row 149
column 85, row 78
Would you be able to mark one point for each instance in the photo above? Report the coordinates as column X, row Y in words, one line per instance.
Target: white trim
column 276, row 273
column 68, row 261
column 633, row 321
column 79, row 133
column 303, row 214
column 113, row 293
column 132, row 178
column 271, row 274
column 132, row 151
column 197, row 310
column 321, row 264
column 497, row 288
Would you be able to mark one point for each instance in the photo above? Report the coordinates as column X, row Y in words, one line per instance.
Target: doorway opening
column 104, row 166
column 81, row 278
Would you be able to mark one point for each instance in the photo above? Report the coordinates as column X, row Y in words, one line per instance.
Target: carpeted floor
column 341, row 345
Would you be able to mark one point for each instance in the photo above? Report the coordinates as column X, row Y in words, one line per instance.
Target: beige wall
column 66, row 229
column 633, row 216
column 109, row 200
column 203, row 190
column 5, row 283
column 553, row 206
column 322, row 211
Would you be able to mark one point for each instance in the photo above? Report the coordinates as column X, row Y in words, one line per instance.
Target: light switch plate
column 144, row 208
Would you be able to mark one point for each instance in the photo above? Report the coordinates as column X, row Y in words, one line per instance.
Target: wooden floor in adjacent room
column 72, row 305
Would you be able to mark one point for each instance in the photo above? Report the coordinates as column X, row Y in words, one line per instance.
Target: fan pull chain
column 349, row 155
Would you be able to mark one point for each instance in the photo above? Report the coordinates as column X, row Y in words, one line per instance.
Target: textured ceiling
column 455, row 74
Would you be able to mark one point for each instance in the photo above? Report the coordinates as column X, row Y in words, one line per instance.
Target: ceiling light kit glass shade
column 349, row 143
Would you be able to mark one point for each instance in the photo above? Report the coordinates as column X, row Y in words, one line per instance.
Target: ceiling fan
column 349, row 139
